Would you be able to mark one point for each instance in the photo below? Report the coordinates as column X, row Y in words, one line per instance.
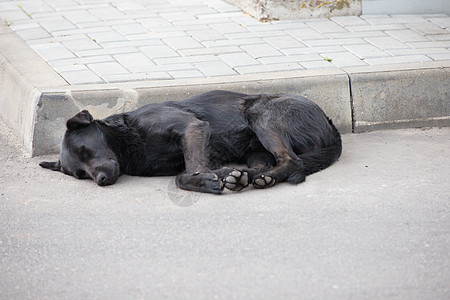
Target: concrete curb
column 36, row 101
column 399, row 96
column 22, row 74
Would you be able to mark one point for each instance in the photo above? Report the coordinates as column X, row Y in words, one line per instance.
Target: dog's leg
column 198, row 177
column 289, row 167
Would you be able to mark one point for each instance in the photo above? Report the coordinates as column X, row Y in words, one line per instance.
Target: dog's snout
column 102, row 179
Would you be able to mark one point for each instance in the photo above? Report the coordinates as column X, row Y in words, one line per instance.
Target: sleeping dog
column 281, row 138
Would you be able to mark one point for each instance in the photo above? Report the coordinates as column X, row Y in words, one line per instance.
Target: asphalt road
column 375, row 225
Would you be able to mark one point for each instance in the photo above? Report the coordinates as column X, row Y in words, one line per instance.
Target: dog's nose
column 102, row 179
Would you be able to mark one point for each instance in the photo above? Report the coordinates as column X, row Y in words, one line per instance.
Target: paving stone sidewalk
column 104, row 41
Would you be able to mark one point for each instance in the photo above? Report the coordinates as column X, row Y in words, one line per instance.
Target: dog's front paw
column 263, row 181
column 236, row 180
column 200, row 182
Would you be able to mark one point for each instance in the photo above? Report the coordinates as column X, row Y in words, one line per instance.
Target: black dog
column 279, row 137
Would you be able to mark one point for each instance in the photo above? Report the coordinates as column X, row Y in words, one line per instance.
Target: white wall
column 405, row 7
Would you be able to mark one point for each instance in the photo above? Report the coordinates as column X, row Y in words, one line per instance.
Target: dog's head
column 85, row 152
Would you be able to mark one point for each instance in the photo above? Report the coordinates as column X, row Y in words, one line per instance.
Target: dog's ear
column 52, row 165
column 80, row 120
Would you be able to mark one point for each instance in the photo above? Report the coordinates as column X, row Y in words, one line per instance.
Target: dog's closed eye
column 81, row 174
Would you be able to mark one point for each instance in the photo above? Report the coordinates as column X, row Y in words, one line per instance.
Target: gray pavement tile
column 386, row 43
column 81, row 77
column 135, row 62
column 80, row 60
column 417, row 51
column 33, row 7
column 107, row 13
column 62, row 4
column 261, row 50
column 107, row 24
column 126, row 29
column 186, row 59
column 199, row 10
column 102, row 51
column 230, row 27
column 204, row 20
column 376, row 27
column 396, row 20
column 134, row 77
column 305, row 34
column 238, row 59
column 177, row 16
column 232, row 42
column 439, row 56
column 155, row 35
column 407, row 35
column 289, row 24
column 106, row 36
column 33, row 33
column 7, row 6
column 326, row 26
column 443, row 22
column 440, row 37
column 427, row 28
column 436, row 44
column 294, row 51
column 80, row 16
column 135, row 43
column 29, row 24
column 13, row 16
column 210, row 51
column 52, row 51
column 355, row 34
column 129, row 6
column 186, row 74
column 46, row 16
column 81, row 31
column 269, row 27
column 186, row 28
column 317, row 64
column 247, row 20
column 171, row 67
column 333, row 42
column 216, row 68
column 205, row 35
column 365, row 51
column 178, row 43
column 284, row 41
column 158, row 51
column 349, row 21
column 397, row 59
column 81, row 44
column 289, row 58
column 152, row 23
column 254, row 34
column 107, row 68
column 70, row 68
column 268, row 68
column 343, row 59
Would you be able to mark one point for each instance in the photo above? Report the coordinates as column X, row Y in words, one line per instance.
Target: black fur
column 279, row 137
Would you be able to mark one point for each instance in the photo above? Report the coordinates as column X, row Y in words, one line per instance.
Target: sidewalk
column 133, row 48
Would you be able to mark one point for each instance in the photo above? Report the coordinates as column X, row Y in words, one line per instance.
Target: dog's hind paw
column 236, row 180
column 263, row 181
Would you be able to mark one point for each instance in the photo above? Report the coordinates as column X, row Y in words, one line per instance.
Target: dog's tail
column 319, row 159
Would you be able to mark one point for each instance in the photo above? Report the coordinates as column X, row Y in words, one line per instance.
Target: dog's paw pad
column 263, row 181
column 236, row 180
